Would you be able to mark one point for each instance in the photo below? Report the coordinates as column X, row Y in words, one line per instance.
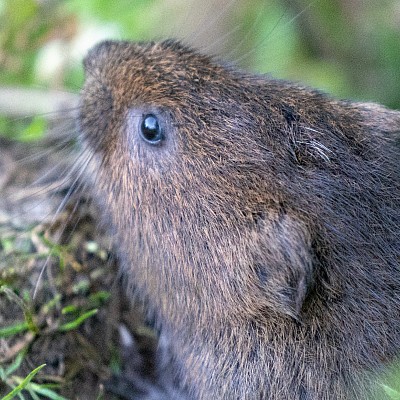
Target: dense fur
column 263, row 231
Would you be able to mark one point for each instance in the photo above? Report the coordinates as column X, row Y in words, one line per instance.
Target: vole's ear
column 284, row 263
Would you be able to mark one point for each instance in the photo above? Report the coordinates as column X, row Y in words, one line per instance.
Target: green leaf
column 78, row 321
column 52, row 303
column 51, row 394
column 99, row 297
column 23, row 384
column 17, row 363
column 12, row 330
column 32, row 393
column 69, row 309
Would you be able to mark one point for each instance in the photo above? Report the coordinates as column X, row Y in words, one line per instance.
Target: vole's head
column 218, row 183
column 182, row 164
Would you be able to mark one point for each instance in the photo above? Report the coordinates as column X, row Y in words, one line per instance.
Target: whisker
column 71, row 215
column 39, row 279
column 62, row 146
column 261, row 44
column 13, row 102
column 198, row 32
column 272, row 33
column 221, row 40
column 245, row 37
column 62, row 205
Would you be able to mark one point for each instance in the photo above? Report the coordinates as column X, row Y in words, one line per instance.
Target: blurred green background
column 350, row 48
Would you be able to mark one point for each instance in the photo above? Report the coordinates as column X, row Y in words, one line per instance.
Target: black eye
column 150, row 129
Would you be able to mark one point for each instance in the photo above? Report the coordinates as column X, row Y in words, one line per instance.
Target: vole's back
column 258, row 219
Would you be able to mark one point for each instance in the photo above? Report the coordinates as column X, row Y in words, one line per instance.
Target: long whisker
column 212, row 21
column 13, row 102
column 273, row 32
column 222, row 39
column 57, row 212
column 245, row 37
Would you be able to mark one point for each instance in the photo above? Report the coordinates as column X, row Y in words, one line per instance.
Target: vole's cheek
column 284, row 264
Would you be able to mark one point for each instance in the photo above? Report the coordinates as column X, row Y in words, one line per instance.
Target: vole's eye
column 150, row 129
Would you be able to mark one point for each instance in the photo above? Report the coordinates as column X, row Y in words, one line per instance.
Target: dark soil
column 66, row 261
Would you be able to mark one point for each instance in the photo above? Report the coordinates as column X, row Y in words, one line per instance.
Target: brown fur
column 263, row 232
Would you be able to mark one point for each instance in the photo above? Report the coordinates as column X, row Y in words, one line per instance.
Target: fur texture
column 262, row 232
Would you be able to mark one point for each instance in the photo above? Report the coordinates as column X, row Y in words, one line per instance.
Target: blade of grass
column 16, row 364
column 12, row 330
column 45, row 392
column 24, row 307
column 23, row 384
column 78, row 321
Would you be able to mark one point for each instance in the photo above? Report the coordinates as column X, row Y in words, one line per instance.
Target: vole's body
column 262, row 230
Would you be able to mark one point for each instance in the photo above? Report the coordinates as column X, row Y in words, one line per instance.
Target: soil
column 55, row 266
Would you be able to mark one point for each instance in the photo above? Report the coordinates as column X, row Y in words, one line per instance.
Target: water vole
column 258, row 219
